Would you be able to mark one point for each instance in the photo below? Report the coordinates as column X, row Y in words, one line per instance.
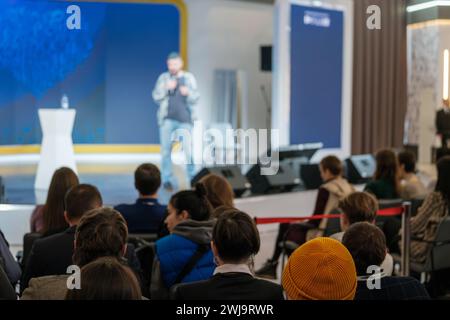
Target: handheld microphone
column 172, row 78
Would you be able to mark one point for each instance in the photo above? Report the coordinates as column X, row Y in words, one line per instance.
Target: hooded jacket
column 173, row 252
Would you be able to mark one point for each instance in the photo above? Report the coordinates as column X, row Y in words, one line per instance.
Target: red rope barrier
column 389, row 212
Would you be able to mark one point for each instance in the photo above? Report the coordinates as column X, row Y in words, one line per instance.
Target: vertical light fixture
column 446, row 74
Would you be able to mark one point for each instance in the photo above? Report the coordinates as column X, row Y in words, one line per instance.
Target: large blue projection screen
column 107, row 68
column 316, row 76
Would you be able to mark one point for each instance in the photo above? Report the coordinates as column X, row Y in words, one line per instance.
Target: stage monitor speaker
column 297, row 155
column 285, row 180
column 233, row 174
column 310, row 176
column 266, row 58
column 360, row 168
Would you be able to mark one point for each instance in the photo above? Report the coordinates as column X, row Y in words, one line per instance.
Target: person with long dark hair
column 50, row 219
column 386, row 181
column 185, row 255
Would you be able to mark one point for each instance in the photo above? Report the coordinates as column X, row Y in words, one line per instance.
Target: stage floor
column 112, row 174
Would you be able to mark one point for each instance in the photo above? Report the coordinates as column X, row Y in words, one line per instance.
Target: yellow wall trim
column 85, row 148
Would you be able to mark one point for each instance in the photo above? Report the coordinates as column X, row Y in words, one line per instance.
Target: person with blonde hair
column 218, row 190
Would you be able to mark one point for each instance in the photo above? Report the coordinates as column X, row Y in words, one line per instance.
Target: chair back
column 415, row 205
column 28, row 241
column 333, row 225
column 439, row 257
column 145, row 252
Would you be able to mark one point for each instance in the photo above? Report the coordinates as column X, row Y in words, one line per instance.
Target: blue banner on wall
column 316, row 75
column 107, row 68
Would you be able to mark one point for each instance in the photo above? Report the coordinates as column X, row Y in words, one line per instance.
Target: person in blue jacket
column 185, row 255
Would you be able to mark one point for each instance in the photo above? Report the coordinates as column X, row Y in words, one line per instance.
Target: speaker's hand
column 184, row 91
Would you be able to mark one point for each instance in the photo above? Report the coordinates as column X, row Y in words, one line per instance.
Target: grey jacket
column 47, row 288
column 197, row 231
column 161, row 95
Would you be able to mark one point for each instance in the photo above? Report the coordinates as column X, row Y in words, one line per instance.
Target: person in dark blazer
column 147, row 214
column 443, row 123
column 367, row 245
column 235, row 241
column 53, row 254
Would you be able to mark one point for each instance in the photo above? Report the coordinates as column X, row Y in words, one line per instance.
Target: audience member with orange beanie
column 321, row 269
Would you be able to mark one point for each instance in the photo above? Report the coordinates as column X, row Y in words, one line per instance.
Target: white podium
column 57, row 146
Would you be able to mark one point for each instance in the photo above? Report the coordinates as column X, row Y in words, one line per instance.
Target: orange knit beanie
column 321, row 269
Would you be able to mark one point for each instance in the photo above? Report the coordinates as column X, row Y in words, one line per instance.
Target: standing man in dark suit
column 443, row 123
column 147, row 214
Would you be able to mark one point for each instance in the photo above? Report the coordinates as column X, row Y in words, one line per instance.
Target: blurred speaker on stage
column 176, row 94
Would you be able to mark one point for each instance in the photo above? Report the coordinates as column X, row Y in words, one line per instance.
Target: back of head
column 218, row 190
column 332, row 164
column 147, row 179
column 321, row 269
column 387, row 165
column 217, row 212
column 101, row 232
column 367, row 245
column 359, row 207
column 194, row 202
column 408, row 160
column 81, row 199
column 443, row 183
column 63, row 180
column 235, row 236
column 106, row 279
